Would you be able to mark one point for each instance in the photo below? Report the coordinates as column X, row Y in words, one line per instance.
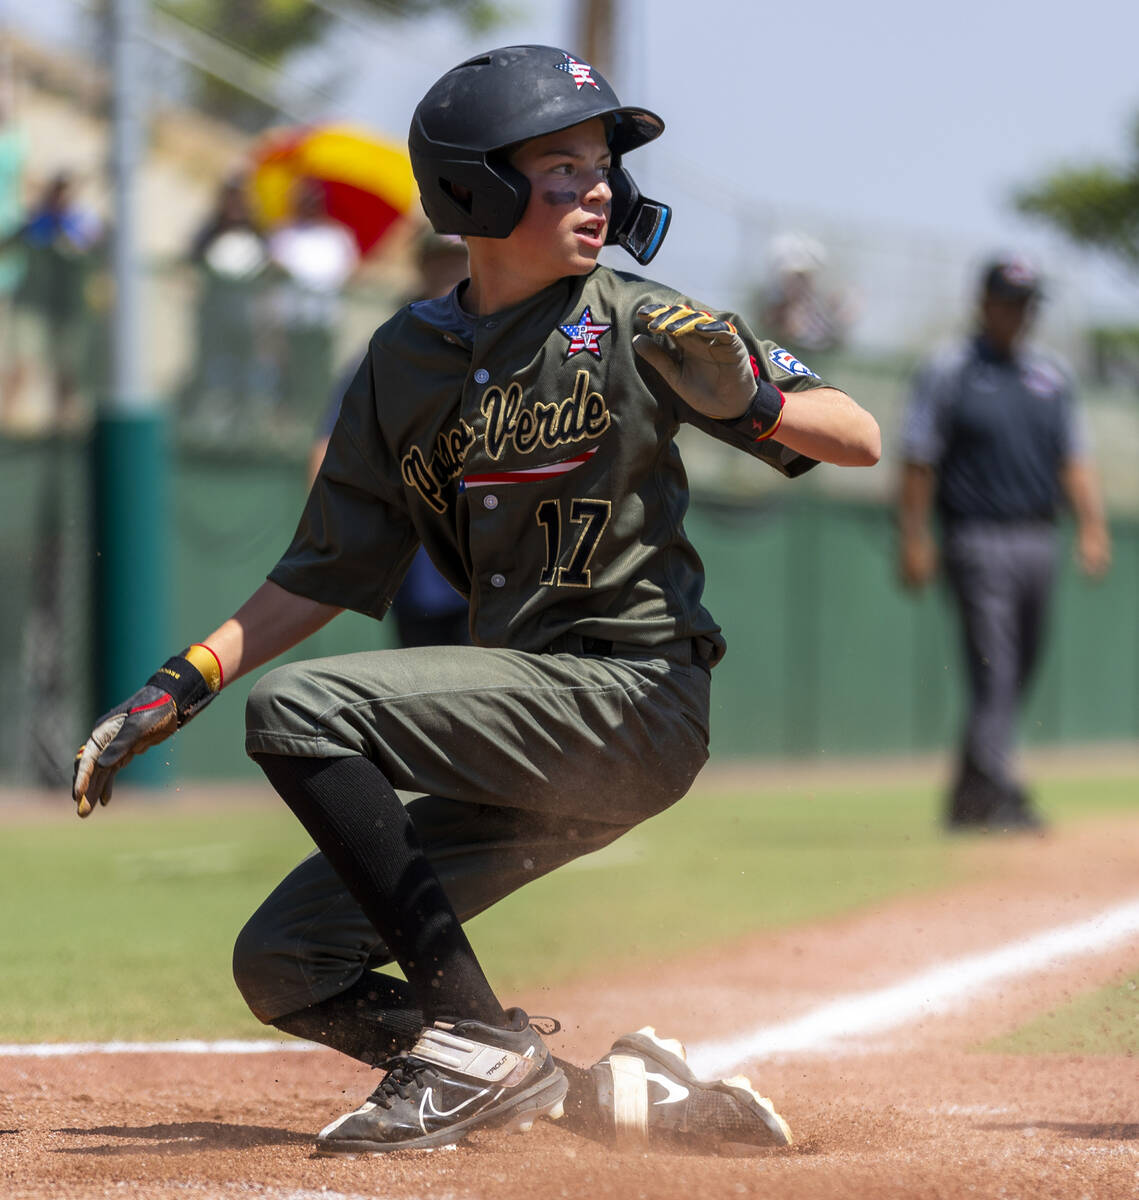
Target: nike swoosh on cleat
column 674, row 1092
column 427, row 1105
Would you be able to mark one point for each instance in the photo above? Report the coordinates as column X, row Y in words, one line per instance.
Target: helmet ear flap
column 479, row 199
column 515, row 194
column 636, row 223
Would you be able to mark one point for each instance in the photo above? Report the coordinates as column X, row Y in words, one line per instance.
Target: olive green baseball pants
column 521, row 763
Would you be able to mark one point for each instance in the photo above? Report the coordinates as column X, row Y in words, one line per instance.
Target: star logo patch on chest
column 584, row 334
column 581, row 73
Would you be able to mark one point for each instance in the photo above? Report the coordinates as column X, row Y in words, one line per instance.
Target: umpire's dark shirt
column 996, row 429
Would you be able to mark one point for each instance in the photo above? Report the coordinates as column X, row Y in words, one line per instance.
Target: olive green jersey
column 532, row 454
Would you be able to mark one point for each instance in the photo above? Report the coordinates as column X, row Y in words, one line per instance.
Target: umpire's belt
column 698, row 651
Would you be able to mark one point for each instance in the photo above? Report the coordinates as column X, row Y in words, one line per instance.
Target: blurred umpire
column 993, row 439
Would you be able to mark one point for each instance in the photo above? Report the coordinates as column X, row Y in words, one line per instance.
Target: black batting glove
column 179, row 689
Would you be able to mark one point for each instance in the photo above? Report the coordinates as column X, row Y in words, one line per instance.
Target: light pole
column 595, row 24
column 130, row 467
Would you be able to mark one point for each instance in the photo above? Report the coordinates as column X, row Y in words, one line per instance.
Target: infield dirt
column 920, row 1112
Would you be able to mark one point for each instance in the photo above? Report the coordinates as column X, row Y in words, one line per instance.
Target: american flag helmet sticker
column 581, row 73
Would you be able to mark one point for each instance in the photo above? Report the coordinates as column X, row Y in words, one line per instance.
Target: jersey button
column 490, row 502
column 497, row 580
column 482, row 375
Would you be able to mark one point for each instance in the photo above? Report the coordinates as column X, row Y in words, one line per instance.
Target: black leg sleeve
column 356, row 819
column 370, row 1021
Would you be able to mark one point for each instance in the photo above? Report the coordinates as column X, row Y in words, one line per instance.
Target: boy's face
column 567, row 217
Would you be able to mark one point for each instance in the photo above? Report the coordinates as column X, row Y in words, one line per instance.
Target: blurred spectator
column 231, row 371
column 796, row 310
column 61, row 238
column 313, row 257
column 227, row 241
column 994, row 441
column 441, row 263
column 13, row 155
column 427, row 609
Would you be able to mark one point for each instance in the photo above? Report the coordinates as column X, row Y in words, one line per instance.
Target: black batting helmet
column 463, row 129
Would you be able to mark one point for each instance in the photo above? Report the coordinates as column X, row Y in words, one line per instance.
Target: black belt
column 687, row 651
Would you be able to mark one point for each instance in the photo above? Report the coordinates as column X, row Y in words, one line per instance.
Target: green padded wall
column 827, row 655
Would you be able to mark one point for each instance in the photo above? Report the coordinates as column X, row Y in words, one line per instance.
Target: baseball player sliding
column 520, row 428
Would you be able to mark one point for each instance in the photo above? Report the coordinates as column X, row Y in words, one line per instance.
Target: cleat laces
column 402, row 1079
column 405, row 1071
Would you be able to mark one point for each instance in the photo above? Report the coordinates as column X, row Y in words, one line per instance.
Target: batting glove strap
column 191, row 679
column 763, row 415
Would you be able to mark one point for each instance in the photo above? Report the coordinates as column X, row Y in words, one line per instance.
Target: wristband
column 763, row 415
column 191, row 679
column 207, row 663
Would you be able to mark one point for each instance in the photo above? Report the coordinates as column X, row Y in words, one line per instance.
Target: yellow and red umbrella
column 366, row 180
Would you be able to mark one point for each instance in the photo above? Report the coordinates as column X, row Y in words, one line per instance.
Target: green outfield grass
column 1066, row 799
column 1102, row 1022
column 121, row 926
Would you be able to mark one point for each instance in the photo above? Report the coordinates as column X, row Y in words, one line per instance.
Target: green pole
column 131, row 563
column 130, row 455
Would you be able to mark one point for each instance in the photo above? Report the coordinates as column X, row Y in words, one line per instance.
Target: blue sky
column 891, row 129
column 885, row 109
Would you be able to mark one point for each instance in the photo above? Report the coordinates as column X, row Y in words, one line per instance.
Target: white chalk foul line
column 933, row 991
column 858, row 1015
column 58, row 1049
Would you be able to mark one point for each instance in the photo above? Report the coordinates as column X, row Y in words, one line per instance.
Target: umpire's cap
column 463, row 129
column 1011, row 279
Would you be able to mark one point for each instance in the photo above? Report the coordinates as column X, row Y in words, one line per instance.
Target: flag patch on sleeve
column 789, row 364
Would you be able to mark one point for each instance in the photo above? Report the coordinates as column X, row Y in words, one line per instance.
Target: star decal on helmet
column 584, row 334
column 582, row 73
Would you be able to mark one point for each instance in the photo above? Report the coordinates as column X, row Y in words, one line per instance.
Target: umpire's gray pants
column 1001, row 575
column 526, row 761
